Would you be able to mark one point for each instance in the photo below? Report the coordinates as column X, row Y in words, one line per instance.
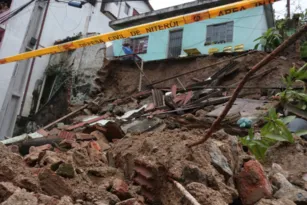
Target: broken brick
column 54, row 132
column 40, row 148
column 32, row 158
column 49, row 158
column 252, row 183
column 66, row 135
column 120, row 189
column 43, row 132
column 99, row 136
column 84, row 136
column 95, row 146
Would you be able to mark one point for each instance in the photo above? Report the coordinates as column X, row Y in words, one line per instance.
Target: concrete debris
column 139, row 127
column 288, row 191
column 21, row 197
column 53, row 184
column 132, row 201
column 205, row 195
column 219, row 160
column 275, row 202
column 6, row 190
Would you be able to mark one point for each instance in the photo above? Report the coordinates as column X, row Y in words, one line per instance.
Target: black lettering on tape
column 166, row 26
column 196, row 18
column 135, row 33
column 232, row 10
column 116, row 37
column 174, row 24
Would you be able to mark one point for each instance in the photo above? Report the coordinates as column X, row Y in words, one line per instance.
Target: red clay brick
column 252, row 183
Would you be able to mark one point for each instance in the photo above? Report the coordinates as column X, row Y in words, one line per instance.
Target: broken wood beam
column 255, row 68
column 187, row 194
column 82, row 124
column 214, row 101
column 198, row 69
column 64, row 117
column 181, row 84
column 141, row 69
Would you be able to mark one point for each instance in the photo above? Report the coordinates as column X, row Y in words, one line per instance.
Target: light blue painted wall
column 248, row 25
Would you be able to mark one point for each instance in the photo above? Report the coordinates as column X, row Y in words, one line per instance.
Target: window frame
column 127, row 8
column 134, row 45
column 213, row 32
column 169, row 42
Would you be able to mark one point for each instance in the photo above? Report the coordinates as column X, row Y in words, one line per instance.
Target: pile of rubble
column 133, row 150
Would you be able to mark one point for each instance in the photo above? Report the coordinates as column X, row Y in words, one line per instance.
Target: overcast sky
column 280, row 7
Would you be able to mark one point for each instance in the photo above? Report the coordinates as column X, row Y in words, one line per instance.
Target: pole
column 256, row 68
column 288, row 9
column 33, row 61
column 64, row 117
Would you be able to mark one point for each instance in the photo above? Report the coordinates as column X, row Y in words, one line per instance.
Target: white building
column 39, row 25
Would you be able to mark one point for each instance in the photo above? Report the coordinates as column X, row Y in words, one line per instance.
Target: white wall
column 15, row 31
column 140, row 6
column 62, row 21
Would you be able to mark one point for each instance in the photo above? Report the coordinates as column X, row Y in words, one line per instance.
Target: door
column 175, row 43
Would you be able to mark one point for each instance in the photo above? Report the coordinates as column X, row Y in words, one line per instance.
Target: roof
column 149, row 5
column 167, row 12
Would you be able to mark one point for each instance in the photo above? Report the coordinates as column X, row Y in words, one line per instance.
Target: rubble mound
column 209, row 168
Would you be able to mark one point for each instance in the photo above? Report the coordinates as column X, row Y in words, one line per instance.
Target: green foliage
column 270, row 40
column 296, row 97
column 275, row 130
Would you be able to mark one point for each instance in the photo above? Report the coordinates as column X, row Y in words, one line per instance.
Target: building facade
column 233, row 32
column 38, row 24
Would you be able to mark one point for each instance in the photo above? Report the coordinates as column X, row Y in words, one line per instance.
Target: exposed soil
column 123, row 77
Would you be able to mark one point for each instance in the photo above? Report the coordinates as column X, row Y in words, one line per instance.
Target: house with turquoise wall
column 228, row 33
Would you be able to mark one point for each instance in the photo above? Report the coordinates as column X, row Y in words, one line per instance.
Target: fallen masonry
column 129, row 147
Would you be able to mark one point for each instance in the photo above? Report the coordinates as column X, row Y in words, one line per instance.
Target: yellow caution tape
column 142, row 29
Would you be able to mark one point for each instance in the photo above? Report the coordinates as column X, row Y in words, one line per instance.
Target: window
column 139, row 45
column 1, row 35
column 5, row 5
column 175, row 43
column 127, row 8
column 219, row 33
column 135, row 12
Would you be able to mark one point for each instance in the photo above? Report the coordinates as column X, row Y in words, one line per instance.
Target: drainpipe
column 33, row 61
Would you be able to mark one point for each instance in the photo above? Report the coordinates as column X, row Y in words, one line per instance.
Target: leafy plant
column 270, row 40
column 291, row 95
column 275, row 130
